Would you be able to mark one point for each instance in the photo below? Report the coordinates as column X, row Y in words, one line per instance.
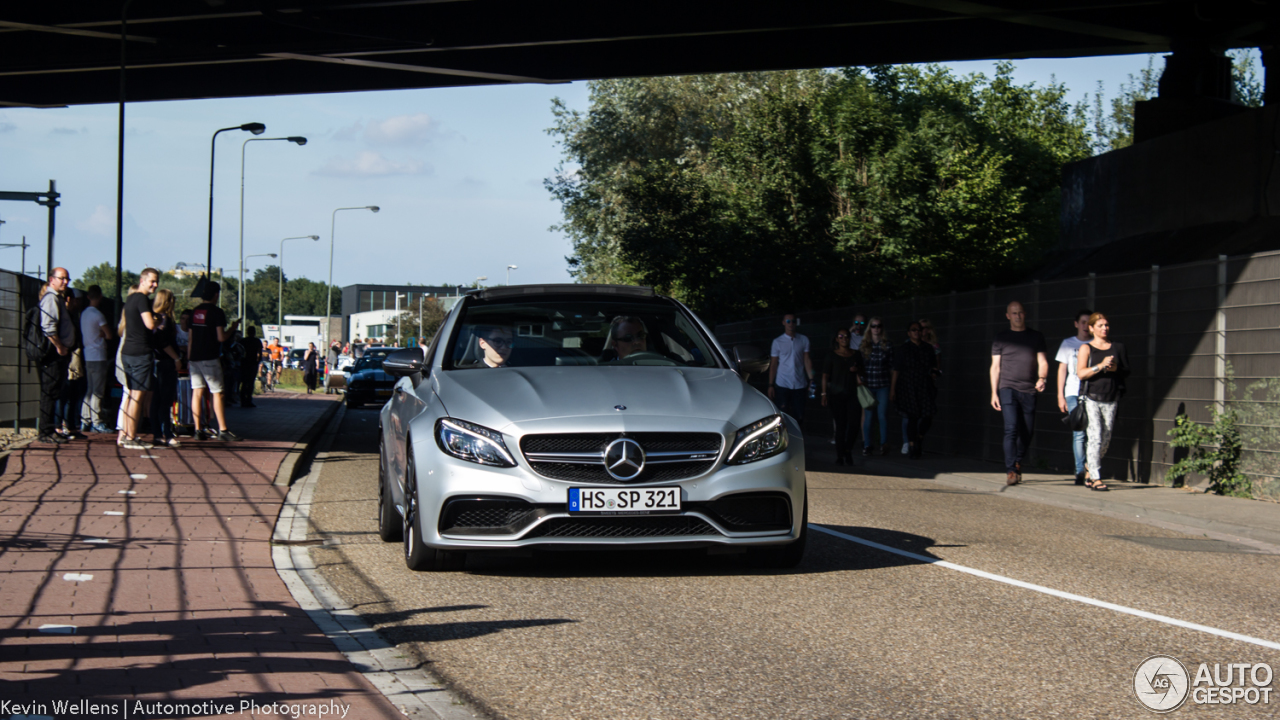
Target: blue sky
column 457, row 172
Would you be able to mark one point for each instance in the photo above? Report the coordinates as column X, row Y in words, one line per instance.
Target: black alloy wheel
column 417, row 556
column 389, row 524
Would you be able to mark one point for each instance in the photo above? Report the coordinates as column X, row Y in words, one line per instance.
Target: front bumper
column 468, row 507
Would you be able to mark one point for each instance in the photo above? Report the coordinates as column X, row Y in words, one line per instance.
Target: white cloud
column 101, row 222
column 349, row 132
column 401, row 130
column 371, row 164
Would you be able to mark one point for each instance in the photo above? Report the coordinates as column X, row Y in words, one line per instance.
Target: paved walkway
column 146, row 576
column 1176, row 508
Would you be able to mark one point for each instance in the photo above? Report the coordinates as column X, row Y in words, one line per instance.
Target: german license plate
column 638, row 501
column 384, row 393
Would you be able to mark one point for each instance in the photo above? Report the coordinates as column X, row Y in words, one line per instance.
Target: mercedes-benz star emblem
column 619, row 408
column 624, row 459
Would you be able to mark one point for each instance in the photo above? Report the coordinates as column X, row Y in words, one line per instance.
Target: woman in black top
column 164, row 338
column 910, row 386
column 1102, row 366
column 309, row 367
column 840, row 393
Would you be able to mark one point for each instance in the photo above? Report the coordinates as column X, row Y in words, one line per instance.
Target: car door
column 406, row 404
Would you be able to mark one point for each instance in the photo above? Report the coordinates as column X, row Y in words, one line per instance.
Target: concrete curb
column 289, row 466
column 415, row 692
column 1106, row 504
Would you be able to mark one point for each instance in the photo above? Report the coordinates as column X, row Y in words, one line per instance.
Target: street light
column 399, row 336
column 257, row 129
column 241, row 292
column 280, row 277
column 328, row 303
column 300, row 141
column 509, row 269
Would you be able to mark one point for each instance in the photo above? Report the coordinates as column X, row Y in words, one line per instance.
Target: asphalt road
column 854, row 632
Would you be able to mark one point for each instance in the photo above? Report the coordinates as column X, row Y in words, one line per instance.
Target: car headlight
column 473, row 443
column 759, row 440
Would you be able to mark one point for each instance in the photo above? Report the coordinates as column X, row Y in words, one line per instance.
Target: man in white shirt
column 856, row 330
column 1069, row 383
column 790, row 369
column 96, row 331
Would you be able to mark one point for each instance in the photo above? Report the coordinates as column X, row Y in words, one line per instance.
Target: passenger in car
column 495, row 341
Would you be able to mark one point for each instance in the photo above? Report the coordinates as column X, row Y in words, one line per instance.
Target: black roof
column 66, row 52
column 510, row 291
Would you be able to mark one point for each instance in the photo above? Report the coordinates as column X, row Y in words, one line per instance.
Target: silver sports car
column 584, row 416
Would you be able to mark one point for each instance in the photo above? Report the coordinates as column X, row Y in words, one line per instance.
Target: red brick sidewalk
column 165, row 595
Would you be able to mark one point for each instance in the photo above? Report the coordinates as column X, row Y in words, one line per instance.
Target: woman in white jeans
column 1102, row 366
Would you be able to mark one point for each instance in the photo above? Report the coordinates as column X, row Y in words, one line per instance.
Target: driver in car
column 629, row 336
column 495, row 341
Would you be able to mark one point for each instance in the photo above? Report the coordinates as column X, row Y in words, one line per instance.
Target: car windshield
column 565, row 332
column 372, row 359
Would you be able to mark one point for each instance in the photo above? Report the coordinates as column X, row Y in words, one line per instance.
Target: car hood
column 498, row 398
column 374, row 375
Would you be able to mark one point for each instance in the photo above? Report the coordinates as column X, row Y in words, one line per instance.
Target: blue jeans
column 791, row 402
column 1077, row 436
column 1019, row 411
column 881, row 411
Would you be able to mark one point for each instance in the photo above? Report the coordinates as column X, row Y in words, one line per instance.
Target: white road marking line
column 148, row 457
column 77, row 577
column 138, row 476
column 1055, row 593
column 58, row 629
column 97, row 541
column 126, row 492
column 112, row 512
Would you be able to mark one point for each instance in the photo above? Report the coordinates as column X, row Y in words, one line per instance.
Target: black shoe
column 866, row 451
column 228, row 436
column 55, row 439
column 1079, row 478
column 884, row 449
column 840, row 458
column 206, row 434
column 248, row 404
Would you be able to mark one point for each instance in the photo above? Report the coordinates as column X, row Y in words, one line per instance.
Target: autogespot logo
column 1161, row 683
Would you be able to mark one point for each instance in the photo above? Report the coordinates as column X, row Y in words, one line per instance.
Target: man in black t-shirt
column 1019, row 369
column 249, row 365
column 208, row 332
column 136, row 358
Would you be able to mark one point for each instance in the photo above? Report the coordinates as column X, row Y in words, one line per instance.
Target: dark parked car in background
column 367, row 382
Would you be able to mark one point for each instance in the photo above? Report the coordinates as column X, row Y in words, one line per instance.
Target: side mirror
column 403, row 363
column 750, row 359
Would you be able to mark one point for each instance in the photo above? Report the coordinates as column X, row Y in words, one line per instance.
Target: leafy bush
column 1215, row 453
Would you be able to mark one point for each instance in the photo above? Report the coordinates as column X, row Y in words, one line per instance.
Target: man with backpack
column 59, row 328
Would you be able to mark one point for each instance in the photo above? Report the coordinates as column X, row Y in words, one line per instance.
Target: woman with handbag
column 877, row 364
column 1104, row 365
column 839, row 392
column 914, row 362
column 167, row 363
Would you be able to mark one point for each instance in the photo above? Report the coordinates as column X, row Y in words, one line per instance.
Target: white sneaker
column 135, row 445
column 906, row 448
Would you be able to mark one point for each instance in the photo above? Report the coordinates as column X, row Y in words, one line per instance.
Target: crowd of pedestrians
column 154, row 348
column 865, row 372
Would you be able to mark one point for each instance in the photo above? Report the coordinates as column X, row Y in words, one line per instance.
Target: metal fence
column 1199, row 335
column 19, row 380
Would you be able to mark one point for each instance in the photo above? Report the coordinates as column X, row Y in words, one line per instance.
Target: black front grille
column 752, row 512
column 481, row 516
column 596, row 442
column 623, row 527
column 664, row 472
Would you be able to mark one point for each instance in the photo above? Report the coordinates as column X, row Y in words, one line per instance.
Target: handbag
column 1076, row 420
column 866, row 398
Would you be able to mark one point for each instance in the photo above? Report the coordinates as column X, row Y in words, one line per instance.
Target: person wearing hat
column 209, row 331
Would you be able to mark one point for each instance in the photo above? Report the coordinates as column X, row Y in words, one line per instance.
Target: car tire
column 390, row 527
column 417, row 556
column 782, row 557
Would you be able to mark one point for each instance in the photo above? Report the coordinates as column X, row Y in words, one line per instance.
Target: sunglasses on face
column 633, row 337
column 876, row 327
column 859, row 322
column 788, row 322
column 842, row 337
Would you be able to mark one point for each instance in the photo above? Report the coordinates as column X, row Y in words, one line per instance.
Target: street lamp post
column 257, row 129
column 300, row 141
column 399, row 331
column 509, row 269
column 280, row 277
column 241, row 293
column 328, row 303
